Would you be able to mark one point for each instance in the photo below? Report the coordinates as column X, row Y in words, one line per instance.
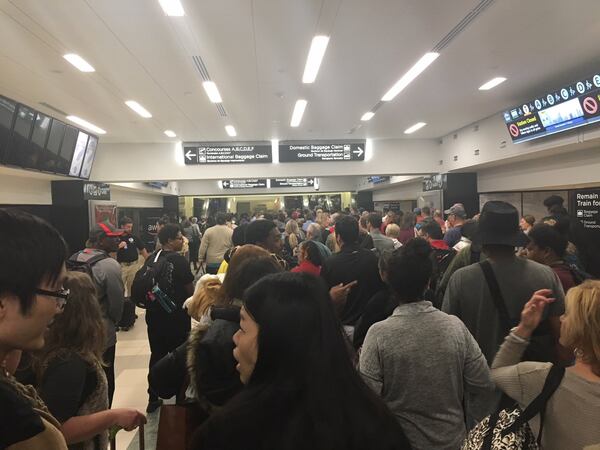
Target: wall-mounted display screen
column 67, row 149
column 572, row 106
column 19, row 151
column 80, row 146
column 49, row 160
column 86, row 168
column 39, row 136
column 7, row 113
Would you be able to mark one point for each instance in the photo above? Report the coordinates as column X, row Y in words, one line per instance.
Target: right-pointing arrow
column 359, row 152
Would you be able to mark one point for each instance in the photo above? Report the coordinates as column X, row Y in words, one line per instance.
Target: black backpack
column 153, row 283
column 83, row 261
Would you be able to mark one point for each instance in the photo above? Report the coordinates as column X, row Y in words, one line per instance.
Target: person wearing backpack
column 168, row 322
column 106, row 272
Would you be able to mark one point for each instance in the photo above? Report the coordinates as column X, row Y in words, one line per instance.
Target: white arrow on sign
column 225, row 183
column 189, row 155
column 359, row 152
column 311, row 181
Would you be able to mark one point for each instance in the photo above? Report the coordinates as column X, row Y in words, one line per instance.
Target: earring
column 578, row 353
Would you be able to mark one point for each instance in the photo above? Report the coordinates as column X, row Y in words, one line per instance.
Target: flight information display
column 570, row 107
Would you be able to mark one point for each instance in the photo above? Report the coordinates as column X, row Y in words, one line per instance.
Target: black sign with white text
column 324, row 151
column 434, row 183
column 250, row 183
column 585, row 206
column 227, row 152
column 96, row 191
column 292, row 182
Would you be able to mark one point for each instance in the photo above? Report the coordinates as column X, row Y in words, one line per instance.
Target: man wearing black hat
column 104, row 239
column 469, row 297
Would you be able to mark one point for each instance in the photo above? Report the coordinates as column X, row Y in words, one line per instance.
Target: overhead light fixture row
column 492, row 83
column 172, row 8
column 367, row 116
column 415, row 127
column 212, row 91
column 85, row 124
column 231, row 130
column 315, row 58
column 170, row 133
column 298, row 113
column 138, row 109
column 79, row 62
column 409, row 76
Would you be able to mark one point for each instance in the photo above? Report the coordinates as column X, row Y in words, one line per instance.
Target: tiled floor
column 131, row 371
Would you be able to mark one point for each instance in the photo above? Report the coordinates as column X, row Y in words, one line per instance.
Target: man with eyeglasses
column 104, row 239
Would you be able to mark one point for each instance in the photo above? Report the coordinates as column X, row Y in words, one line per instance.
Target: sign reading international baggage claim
column 262, row 183
column 569, row 107
column 324, row 151
column 227, row 152
column 249, row 183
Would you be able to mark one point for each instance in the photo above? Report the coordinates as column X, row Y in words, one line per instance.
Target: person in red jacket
column 309, row 258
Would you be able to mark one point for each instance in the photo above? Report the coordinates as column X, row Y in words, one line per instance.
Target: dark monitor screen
column 80, row 147
column 39, row 136
column 86, row 169
column 50, row 157
column 19, row 150
column 66, row 150
column 7, row 113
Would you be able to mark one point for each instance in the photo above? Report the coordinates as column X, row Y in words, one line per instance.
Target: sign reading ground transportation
column 96, row 191
column 570, row 107
column 227, row 152
column 322, row 151
column 250, row 183
column 434, row 182
column 292, row 182
column 585, row 205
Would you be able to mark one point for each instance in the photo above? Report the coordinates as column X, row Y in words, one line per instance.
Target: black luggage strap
column 494, row 288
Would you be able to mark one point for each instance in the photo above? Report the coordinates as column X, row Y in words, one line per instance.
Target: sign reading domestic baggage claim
column 324, row 151
column 250, row 183
column 585, row 204
column 292, row 182
column 227, row 152
column 572, row 106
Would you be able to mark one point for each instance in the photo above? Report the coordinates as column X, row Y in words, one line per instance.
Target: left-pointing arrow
column 189, row 155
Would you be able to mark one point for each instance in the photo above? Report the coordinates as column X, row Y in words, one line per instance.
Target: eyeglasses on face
column 61, row 296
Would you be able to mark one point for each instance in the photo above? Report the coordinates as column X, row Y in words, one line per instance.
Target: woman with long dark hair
column 309, row 258
column 302, row 391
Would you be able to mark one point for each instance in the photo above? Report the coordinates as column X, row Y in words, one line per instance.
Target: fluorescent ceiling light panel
column 415, row 127
column 367, row 116
column 79, row 62
column 85, row 124
column 170, row 133
column 138, row 108
column 172, row 8
column 212, row 91
column 230, row 130
column 298, row 113
column 492, row 83
column 409, row 76
column 315, row 57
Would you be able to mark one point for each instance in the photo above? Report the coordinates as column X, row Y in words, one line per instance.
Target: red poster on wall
column 103, row 212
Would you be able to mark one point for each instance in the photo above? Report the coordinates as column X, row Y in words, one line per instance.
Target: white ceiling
column 255, row 51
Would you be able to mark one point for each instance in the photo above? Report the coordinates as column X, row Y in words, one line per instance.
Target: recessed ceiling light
column 212, row 91
column 138, row 108
column 85, row 124
column 409, row 76
column 367, row 116
column 315, row 57
column 415, row 127
column 492, row 83
column 298, row 113
column 231, row 130
column 170, row 133
column 172, row 8
column 79, row 62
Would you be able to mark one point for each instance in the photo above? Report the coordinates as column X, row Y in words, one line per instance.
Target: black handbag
column 508, row 429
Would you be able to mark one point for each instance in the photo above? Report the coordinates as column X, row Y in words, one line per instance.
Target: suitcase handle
column 113, row 441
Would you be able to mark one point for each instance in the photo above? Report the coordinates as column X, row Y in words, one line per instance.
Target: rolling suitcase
column 113, row 441
column 128, row 317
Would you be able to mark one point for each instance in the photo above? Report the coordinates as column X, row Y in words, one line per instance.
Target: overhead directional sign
column 250, row 183
column 227, row 152
column 292, row 182
column 322, row 151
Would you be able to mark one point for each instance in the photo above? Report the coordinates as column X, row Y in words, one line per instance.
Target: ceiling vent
column 201, row 68
column 221, row 110
column 49, row 106
column 476, row 128
column 476, row 152
column 462, row 25
column 455, row 157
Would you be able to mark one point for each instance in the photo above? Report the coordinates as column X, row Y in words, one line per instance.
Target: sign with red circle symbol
column 514, row 130
column 590, row 105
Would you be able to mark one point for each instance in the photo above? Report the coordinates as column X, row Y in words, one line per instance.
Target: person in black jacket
column 301, row 389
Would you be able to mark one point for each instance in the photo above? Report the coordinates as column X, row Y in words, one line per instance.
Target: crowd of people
column 306, row 329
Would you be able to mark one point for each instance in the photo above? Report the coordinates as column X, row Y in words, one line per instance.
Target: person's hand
column 531, row 316
column 122, row 245
column 339, row 293
column 128, row 419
